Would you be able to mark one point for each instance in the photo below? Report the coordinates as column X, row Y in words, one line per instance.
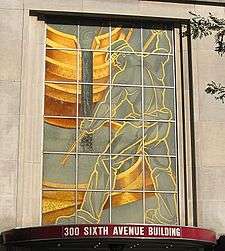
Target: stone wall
column 20, row 148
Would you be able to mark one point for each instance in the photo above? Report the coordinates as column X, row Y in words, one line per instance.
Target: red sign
column 138, row 231
column 108, row 231
column 122, row 231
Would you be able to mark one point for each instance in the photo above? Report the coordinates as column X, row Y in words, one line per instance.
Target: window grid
column 77, row 153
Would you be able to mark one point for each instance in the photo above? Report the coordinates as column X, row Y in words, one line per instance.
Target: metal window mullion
column 175, row 115
column 105, row 84
column 110, row 126
column 42, row 140
column 189, row 130
column 180, row 126
column 99, row 50
column 143, row 121
column 107, row 154
column 108, row 190
column 76, row 130
column 107, row 118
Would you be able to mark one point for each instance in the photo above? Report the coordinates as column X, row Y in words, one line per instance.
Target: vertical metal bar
column 180, row 160
column 192, row 130
column 143, row 119
column 184, row 127
column 110, row 125
column 77, row 120
column 175, row 115
column 43, row 124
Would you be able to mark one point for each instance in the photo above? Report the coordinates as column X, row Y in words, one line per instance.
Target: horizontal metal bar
column 113, row 191
column 139, row 53
column 112, row 154
column 112, row 119
column 110, row 85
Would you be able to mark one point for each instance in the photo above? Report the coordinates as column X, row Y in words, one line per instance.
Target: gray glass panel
column 57, row 174
column 58, row 139
column 158, row 70
column 94, row 136
column 127, row 207
column 157, row 41
column 161, row 208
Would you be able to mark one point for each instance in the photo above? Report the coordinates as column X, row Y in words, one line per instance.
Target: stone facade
column 21, row 105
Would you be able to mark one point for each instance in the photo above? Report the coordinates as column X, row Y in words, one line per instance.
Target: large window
column 110, row 150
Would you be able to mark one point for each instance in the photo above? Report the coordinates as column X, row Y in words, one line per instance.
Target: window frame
column 185, row 141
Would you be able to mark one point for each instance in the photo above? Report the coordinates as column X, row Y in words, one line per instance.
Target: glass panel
column 94, row 37
column 101, row 64
column 61, row 99
column 127, row 172
column 127, row 137
column 159, row 132
column 126, row 68
column 159, row 104
column 59, row 135
column 94, row 172
column 161, row 208
column 86, row 76
column 94, row 136
column 58, row 173
column 62, row 36
column 94, row 66
column 62, row 65
column 160, row 173
column 127, row 207
column 158, row 70
column 126, row 102
column 94, row 208
column 126, row 39
column 57, row 206
column 94, row 101
column 157, row 41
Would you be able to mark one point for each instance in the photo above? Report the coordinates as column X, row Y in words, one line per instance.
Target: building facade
column 105, row 122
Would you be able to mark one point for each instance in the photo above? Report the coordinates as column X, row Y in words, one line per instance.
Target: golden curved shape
column 67, row 40
column 124, row 180
column 53, row 201
column 68, row 93
column 62, row 65
column 102, row 41
column 53, row 209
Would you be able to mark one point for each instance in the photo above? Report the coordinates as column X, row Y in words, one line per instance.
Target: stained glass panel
column 160, row 208
column 58, row 135
column 126, row 67
column 157, row 41
column 158, row 70
column 127, row 172
column 57, row 173
column 94, row 37
column 96, row 166
column 109, row 126
column 127, row 207
column 160, row 174
column 93, row 136
column 58, row 206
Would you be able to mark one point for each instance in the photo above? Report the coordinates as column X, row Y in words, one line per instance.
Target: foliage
column 206, row 26
column 217, row 90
